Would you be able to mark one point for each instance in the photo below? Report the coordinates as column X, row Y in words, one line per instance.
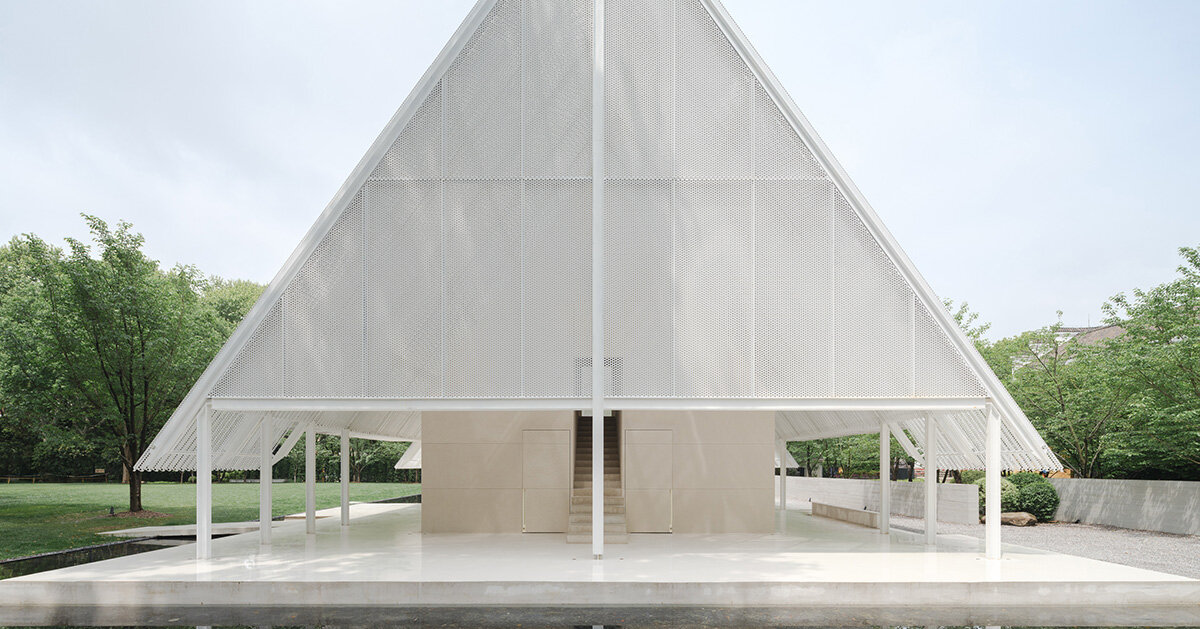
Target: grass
column 44, row 517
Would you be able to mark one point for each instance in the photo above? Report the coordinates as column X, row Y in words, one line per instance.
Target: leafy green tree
column 1073, row 395
column 230, row 300
column 102, row 344
column 1159, row 356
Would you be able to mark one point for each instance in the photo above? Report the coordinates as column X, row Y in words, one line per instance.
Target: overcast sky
column 1029, row 156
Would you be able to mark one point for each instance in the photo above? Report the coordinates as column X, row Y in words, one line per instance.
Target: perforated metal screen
column 735, row 266
column 458, row 265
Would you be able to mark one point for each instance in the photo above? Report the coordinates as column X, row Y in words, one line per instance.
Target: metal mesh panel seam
column 753, row 250
column 283, row 372
column 442, row 326
column 912, row 346
column 674, row 196
column 362, row 249
column 521, row 105
column 832, row 291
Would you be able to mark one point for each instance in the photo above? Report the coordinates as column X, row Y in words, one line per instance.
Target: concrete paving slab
column 382, row 559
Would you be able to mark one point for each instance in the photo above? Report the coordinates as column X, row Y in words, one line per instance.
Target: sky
column 1028, row 156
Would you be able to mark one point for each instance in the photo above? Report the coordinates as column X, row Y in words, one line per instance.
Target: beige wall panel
column 470, row 510
column 724, row 466
column 707, row 426
column 546, row 510
column 648, row 510
column 547, row 466
column 644, row 436
column 471, row 465
column 488, row 426
column 724, row 510
column 648, row 466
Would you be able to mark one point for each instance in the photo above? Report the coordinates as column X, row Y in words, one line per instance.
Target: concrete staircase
column 579, row 523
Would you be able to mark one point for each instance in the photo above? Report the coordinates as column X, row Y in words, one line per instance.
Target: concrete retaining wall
column 1151, row 505
column 956, row 503
column 869, row 519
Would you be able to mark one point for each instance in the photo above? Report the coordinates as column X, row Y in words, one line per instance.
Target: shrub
column 1021, row 479
column 970, row 476
column 1008, row 495
column 1039, row 500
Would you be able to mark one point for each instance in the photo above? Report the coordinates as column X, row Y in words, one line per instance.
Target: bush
column 1039, row 500
column 1021, row 479
column 970, row 476
column 1008, row 495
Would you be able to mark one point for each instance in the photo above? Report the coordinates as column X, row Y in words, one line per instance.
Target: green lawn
column 37, row 518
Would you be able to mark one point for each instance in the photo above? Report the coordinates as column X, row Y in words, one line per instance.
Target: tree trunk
column 135, row 490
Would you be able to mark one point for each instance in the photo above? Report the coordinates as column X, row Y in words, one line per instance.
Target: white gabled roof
column 454, row 265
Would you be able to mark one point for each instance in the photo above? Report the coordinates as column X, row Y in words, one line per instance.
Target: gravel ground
column 1164, row 552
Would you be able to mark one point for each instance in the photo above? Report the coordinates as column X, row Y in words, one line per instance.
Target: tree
column 366, row 453
column 1159, row 356
column 102, row 347
column 1072, row 394
column 230, row 300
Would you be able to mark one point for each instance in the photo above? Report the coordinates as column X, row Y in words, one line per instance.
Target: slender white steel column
column 783, row 476
column 598, row 281
column 885, row 479
column 931, row 476
column 204, row 483
column 264, row 480
column 779, row 476
column 310, row 481
column 991, row 505
column 345, row 477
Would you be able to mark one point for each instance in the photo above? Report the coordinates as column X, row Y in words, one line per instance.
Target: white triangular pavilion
column 742, row 268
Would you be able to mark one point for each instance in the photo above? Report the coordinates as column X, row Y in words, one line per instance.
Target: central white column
column 931, row 476
column 310, row 481
column 885, row 479
column 991, row 505
column 345, row 477
column 598, row 281
column 204, row 483
column 265, row 444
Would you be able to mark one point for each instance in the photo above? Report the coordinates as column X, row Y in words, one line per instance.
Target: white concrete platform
column 382, row 559
column 189, row 530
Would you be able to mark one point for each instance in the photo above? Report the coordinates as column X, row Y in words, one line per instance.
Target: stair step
column 587, row 491
column 608, row 500
column 586, row 518
column 586, row 529
column 587, row 510
column 608, row 476
column 587, row 539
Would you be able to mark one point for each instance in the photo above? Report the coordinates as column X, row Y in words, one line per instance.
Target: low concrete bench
column 861, row 517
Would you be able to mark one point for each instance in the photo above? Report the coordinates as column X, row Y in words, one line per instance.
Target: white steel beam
column 310, row 481
column 931, row 476
column 204, row 483
column 992, row 486
column 265, row 475
column 906, row 443
column 598, row 175
column 345, row 477
column 569, row 404
column 885, row 479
